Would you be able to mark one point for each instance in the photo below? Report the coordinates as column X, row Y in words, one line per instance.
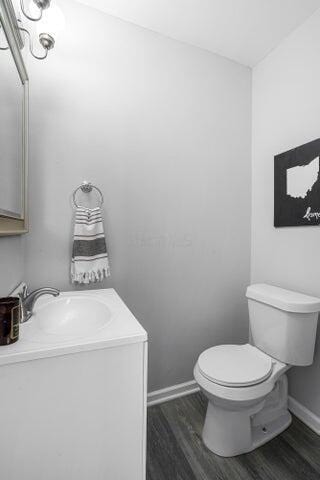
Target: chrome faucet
column 28, row 300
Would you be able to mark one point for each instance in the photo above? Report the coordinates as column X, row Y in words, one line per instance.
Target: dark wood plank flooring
column 176, row 451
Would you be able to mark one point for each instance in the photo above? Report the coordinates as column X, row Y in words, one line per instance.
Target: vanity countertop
column 120, row 328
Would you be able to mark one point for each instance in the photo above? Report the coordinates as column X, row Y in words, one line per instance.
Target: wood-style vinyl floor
column 176, row 451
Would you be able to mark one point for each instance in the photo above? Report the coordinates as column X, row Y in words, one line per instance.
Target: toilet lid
column 235, row 365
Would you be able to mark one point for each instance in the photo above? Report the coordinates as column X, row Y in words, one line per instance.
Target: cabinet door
column 75, row 417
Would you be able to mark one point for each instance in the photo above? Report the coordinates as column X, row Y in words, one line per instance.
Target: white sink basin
column 71, row 316
column 74, row 322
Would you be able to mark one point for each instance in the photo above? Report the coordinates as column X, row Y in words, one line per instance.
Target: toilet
column 246, row 385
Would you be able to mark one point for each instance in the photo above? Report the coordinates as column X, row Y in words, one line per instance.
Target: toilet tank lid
column 286, row 300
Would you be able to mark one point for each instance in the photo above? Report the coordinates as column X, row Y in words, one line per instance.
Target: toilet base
column 229, row 432
column 263, row 434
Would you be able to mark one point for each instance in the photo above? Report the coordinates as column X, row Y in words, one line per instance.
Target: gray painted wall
column 11, row 263
column 286, row 106
column 164, row 129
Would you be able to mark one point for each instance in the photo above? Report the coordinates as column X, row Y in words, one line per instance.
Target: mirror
column 13, row 125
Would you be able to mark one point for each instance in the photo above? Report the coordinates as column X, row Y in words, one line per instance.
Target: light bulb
column 32, row 9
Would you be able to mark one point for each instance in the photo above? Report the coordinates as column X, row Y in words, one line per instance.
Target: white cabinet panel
column 79, row 416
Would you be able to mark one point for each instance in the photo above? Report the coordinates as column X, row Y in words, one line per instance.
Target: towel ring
column 86, row 187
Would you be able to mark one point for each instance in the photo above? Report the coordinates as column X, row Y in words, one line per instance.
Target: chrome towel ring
column 86, row 187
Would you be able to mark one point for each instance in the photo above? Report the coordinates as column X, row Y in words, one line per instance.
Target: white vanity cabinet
column 75, row 410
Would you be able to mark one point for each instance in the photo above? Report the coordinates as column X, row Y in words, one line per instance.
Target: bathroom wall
column 286, row 106
column 11, row 263
column 164, row 129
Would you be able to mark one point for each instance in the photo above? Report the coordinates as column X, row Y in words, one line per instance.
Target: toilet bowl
column 246, row 385
column 243, row 413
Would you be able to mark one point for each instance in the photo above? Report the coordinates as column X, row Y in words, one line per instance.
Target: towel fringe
column 92, row 276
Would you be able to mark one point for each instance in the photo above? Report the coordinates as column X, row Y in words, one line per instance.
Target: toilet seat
column 235, row 365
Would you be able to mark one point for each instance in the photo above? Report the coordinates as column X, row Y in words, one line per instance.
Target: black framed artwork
column 297, row 186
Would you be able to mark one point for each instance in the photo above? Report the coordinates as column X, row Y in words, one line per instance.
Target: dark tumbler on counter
column 9, row 320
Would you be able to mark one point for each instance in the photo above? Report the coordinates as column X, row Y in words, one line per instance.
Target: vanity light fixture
column 53, row 22
column 45, row 39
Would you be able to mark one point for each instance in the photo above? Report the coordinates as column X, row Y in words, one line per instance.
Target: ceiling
column 242, row 30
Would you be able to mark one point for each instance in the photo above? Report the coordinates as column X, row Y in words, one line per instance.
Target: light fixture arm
column 45, row 39
column 3, row 48
column 25, row 13
column 38, row 57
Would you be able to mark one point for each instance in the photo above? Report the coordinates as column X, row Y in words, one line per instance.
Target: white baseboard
column 305, row 415
column 170, row 393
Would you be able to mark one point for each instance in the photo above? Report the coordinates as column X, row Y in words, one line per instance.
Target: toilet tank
column 283, row 323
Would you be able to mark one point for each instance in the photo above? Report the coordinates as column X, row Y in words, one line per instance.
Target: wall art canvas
column 297, row 186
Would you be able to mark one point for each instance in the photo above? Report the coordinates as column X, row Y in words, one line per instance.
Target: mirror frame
column 13, row 225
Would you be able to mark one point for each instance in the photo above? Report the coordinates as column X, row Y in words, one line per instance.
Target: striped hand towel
column 90, row 261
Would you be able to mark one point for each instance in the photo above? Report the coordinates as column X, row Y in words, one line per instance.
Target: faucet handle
column 24, row 291
column 22, row 294
column 20, row 290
